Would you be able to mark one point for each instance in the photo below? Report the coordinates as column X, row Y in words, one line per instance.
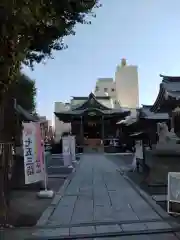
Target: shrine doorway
column 92, row 129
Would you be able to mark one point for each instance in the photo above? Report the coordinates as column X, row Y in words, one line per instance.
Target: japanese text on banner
column 32, row 164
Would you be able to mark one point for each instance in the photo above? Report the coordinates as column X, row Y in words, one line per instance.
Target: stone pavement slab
column 159, row 198
column 99, row 200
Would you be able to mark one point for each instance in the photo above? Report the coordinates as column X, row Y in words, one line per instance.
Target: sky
column 145, row 32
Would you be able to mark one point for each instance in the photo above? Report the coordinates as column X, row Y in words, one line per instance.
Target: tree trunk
column 3, row 199
column 10, row 61
column 6, row 125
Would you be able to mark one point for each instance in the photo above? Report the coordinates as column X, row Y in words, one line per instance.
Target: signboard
column 32, row 160
column 173, row 196
column 73, row 147
column 139, row 150
column 92, row 113
column 40, row 146
column 134, row 163
column 47, row 147
column 66, row 146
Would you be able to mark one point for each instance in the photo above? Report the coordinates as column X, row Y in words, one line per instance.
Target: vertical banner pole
column 45, row 172
column 45, row 193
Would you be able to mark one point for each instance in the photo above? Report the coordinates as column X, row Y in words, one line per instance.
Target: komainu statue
column 168, row 140
column 163, row 132
column 166, row 136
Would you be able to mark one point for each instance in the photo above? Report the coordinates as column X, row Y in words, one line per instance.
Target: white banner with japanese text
column 73, row 147
column 32, row 164
column 173, row 193
column 139, row 149
column 66, row 147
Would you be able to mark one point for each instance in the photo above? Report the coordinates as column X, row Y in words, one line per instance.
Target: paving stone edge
column 58, row 195
column 164, row 215
column 146, row 197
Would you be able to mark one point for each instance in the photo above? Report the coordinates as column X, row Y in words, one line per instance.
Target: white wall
column 60, row 126
column 75, row 102
column 127, row 88
column 105, row 85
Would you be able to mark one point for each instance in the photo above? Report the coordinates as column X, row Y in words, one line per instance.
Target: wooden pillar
column 171, row 117
column 102, row 127
column 172, row 121
column 144, row 157
column 81, row 130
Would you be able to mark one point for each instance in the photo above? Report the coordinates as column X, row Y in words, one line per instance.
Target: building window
column 97, row 88
column 112, row 89
column 105, row 89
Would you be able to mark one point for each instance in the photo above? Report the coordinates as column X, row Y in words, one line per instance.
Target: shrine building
column 93, row 118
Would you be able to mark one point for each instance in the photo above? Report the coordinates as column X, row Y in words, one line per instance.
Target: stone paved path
column 100, row 200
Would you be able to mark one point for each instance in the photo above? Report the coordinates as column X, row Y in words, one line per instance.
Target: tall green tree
column 25, row 93
column 29, row 32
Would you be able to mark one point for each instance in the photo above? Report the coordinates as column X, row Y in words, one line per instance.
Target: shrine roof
column 170, row 78
column 169, row 94
column 92, row 106
column 146, row 113
column 130, row 119
column 26, row 116
column 101, row 102
column 92, row 112
column 86, row 98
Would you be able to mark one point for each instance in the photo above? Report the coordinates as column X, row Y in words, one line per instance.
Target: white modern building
column 105, row 86
column 127, row 86
column 123, row 91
